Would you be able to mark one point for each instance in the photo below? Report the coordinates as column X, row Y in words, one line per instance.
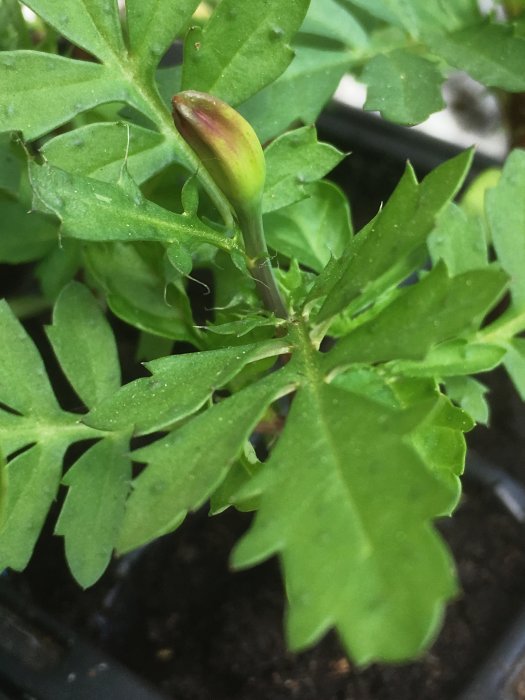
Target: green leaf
column 33, row 480
column 389, row 564
column 505, row 209
column 258, row 36
column 331, row 19
column 436, row 309
column 12, row 163
column 132, row 279
column 314, row 229
column 403, row 86
column 188, row 465
column 13, row 30
column 24, row 385
column 468, row 393
column 299, row 94
column 92, row 24
column 490, row 53
column 458, row 240
column 92, row 513
column 95, row 211
column 99, row 151
column 84, row 345
column 393, row 244
column 453, row 358
column 515, row 364
column 292, row 161
column 40, row 91
column 178, row 387
column 153, row 26
column 58, row 268
column 25, row 235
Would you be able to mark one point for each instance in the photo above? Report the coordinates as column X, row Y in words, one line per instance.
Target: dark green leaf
column 13, row 30
column 258, row 34
column 92, row 513
column 84, row 345
column 25, row 235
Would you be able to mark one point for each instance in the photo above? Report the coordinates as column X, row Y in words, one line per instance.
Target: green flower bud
column 225, row 143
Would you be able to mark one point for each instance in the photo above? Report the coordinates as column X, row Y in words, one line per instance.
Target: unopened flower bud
column 225, row 143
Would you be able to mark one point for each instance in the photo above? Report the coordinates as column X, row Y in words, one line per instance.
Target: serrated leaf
column 468, row 393
column 33, row 480
column 458, row 240
column 314, row 229
column 292, row 161
column 403, row 86
column 184, row 469
column 435, row 309
column 92, row 24
column 454, row 358
column 84, row 345
column 95, row 211
column 24, row 385
column 364, row 582
column 92, row 513
column 505, row 208
column 489, row 52
column 153, row 26
column 258, row 34
column 40, row 91
column 25, row 235
column 178, row 387
column 394, row 244
column 299, row 94
column 99, row 150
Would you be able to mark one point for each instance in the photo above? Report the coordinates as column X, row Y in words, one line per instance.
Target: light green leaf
column 393, row 244
column 490, row 53
column 92, row 24
column 299, row 94
column 99, row 151
column 403, row 86
column 178, row 387
column 40, row 91
column 515, row 364
column 436, row 309
column 314, row 229
column 468, row 393
column 292, row 161
column 331, row 19
column 24, row 236
column 153, row 25
column 188, row 465
column 92, row 513
column 458, row 240
column 374, row 489
column 33, row 480
column 95, row 211
column 505, row 207
column 24, row 385
column 454, row 358
column 84, row 345
column 258, row 34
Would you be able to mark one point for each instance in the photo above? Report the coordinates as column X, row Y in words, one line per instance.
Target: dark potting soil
column 182, row 619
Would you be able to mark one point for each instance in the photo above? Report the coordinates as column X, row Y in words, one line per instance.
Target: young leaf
column 468, row 393
column 366, row 583
column 314, row 229
column 185, row 467
column 178, row 387
column 403, row 86
column 395, row 240
column 292, row 161
column 435, row 309
column 458, row 240
column 99, row 150
column 505, row 209
column 258, row 34
column 92, row 24
column 333, row 20
column 515, row 364
column 92, row 513
column 153, row 26
column 84, row 345
column 40, row 91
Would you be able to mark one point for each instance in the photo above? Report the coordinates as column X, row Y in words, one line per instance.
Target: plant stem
column 251, row 225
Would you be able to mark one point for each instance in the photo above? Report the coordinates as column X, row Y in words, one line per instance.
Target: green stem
column 251, row 225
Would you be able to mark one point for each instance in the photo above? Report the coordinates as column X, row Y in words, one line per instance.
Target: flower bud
column 225, row 143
